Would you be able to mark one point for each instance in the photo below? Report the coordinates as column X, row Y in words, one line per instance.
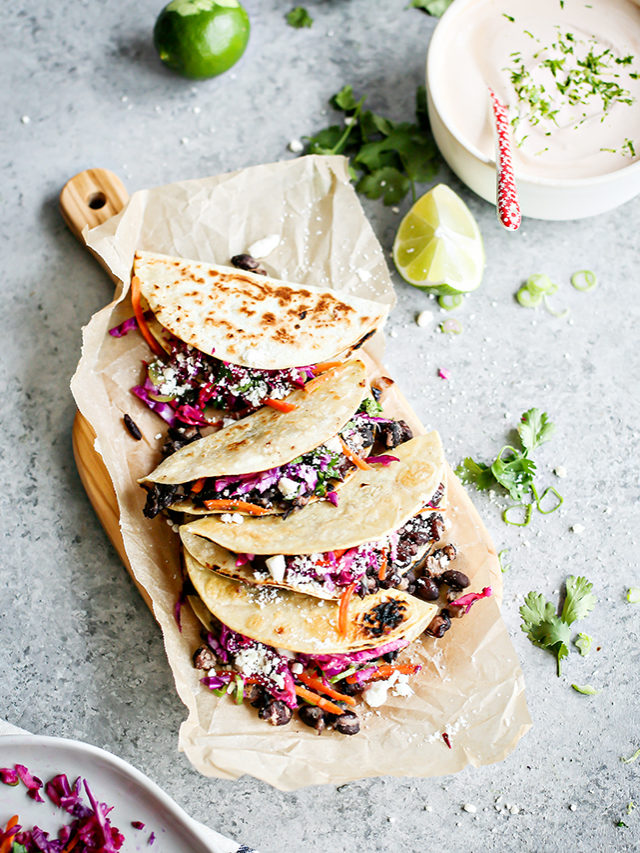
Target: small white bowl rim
column 438, row 35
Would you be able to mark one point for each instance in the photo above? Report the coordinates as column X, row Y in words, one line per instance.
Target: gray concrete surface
column 80, row 653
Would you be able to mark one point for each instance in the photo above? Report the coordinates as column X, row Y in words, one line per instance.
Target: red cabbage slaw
column 90, row 831
column 229, row 643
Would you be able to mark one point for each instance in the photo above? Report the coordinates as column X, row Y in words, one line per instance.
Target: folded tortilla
column 372, row 504
column 269, row 438
column 299, row 623
column 253, row 320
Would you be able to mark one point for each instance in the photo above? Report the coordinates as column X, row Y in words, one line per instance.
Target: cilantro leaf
column 370, row 406
column 515, row 473
column 583, row 644
column 588, row 690
column 372, row 123
column 344, row 100
column 422, row 117
column 477, row 473
column 298, row 17
column 535, row 610
column 325, row 141
column 388, row 182
column 535, row 428
column 579, row 601
column 431, row 7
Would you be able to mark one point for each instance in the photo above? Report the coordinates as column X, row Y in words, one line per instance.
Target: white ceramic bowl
column 540, row 198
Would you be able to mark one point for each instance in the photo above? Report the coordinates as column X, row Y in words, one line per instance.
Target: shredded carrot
column 318, row 685
column 198, row 486
column 142, row 323
column 343, row 610
column 279, row 405
column 229, row 505
column 357, row 461
column 72, row 843
column 429, row 508
column 323, row 366
column 387, row 670
column 314, row 699
column 382, row 571
column 7, row 844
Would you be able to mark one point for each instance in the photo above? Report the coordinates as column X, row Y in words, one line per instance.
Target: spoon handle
column 508, row 206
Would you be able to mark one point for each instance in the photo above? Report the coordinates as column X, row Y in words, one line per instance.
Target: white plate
column 112, row 781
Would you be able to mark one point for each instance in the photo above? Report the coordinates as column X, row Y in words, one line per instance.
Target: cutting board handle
column 90, row 198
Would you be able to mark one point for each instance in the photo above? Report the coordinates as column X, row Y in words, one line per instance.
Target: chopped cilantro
column 587, row 689
column 370, row 406
column 583, row 644
column 298, row 17
column 621, row 823
column 508, row 17
column 514, row 470
column 387, row 158
column 431, row 7
column 551, row 632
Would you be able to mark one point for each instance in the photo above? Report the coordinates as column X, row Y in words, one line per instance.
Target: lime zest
column 584, row 280
column 450, row 301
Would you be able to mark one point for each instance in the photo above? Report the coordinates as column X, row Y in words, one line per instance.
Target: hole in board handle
column 97, row 200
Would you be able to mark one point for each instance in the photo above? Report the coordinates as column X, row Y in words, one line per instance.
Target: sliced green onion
column 540, row 283
column 449, row 301
column 527, row 514
column 503, row 567
column 239, row 690
column 161, row 398
column 584, row 280
column 551, row 311
column 342, row 675
column 539, row 499
column 220, row 691
column 527, row 298
column 588, row 690
column 633, row 595
column 631, row 758
column 452, row 326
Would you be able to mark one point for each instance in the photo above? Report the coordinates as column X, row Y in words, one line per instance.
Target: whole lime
column 201, row 38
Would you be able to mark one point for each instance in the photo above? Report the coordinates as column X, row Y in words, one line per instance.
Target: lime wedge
column 438, row 246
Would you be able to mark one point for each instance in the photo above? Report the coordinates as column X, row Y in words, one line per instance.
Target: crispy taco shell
column 373, row 504
column 299, row 623
column 252, row 320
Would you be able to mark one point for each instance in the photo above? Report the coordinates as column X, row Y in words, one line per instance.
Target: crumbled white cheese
column 276, row 566
column 424, row 319
column 349, row 120
column 560, row 471
column 228, row 421
column 577, row 528
column 158, row 436
column 469, row 807
column 295, row 146
column 288, row 488
column 375, row 694
column 514, row 810
column 334, row 445
column 262, row 248
column 296, row 668
column 573, row 806
column 402, row 686
column 25, row 119
column 363, row 275
column 184, row 140
column 232, row 518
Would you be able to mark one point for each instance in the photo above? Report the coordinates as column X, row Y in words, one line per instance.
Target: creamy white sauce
column 486, row 48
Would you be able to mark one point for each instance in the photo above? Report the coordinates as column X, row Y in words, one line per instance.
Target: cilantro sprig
column 298, row 18
column 551, row 632
column 514, row 470
column 387, row 158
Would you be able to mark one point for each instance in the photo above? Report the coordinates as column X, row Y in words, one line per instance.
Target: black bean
column 247, row 262
column 426, row 589
column 204, row 658
column 312, row 716
column 132, row 427
column 389, row 657
column 275, row 712
column 439, row 625
column 347, row 723
column 456, row 580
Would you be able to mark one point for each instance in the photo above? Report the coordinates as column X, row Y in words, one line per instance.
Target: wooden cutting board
column 89, row 199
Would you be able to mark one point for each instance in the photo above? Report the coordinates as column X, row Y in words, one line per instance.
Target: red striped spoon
column 507, row 205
